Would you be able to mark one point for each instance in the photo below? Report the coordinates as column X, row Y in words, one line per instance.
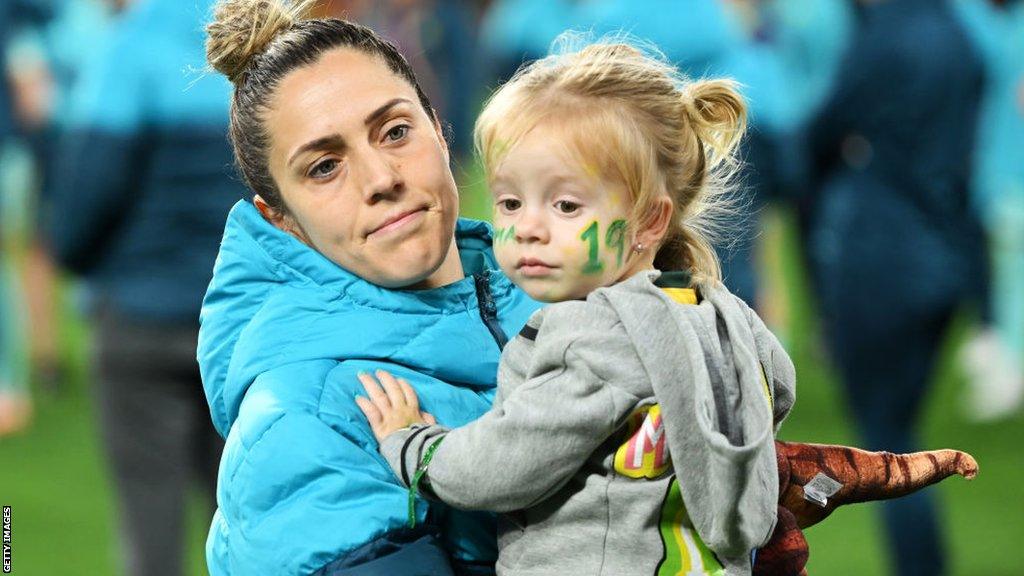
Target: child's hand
column 391, row 406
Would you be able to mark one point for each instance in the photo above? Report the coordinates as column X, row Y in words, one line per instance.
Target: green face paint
column 590, row 236
column 503, row 235
column 614, row 239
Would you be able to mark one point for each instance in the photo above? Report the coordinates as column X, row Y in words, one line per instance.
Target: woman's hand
column 391, row 406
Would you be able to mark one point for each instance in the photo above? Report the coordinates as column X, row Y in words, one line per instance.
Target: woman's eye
column 397, row 133
column 323, row 169
column 566, row 207
column 510, row 204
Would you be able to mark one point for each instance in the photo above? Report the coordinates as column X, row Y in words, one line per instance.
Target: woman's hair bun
column 242, row 29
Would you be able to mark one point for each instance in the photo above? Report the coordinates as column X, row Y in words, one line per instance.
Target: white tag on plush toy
column 820, row 488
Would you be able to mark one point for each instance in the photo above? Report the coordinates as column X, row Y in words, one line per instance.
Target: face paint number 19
column 614, row 239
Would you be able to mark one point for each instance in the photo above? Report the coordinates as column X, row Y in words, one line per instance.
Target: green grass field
column 64, row 514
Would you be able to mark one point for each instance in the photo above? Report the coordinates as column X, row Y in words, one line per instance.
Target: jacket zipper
column 488, row 309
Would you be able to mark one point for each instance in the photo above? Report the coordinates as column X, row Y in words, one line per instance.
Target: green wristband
column 415, row 484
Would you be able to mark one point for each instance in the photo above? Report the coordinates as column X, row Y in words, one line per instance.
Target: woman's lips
column 399, row 221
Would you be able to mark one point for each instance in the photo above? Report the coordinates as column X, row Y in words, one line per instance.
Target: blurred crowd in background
column 892, row 129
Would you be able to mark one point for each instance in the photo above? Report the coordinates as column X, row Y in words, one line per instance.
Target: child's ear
column 656, row 222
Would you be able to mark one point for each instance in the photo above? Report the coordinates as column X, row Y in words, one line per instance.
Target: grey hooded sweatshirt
column 631, row 434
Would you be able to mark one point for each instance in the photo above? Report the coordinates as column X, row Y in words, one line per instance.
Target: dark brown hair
column 256, row 43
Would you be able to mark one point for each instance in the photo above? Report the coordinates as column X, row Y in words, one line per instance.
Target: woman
column 350, row 258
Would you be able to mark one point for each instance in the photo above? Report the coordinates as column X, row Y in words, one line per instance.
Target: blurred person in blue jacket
column 46, row 60
column 15, row 402
column 787, row 66
column 995, row 355
column 791, row 64
column 513, row 32
column 791, row 67
column 440, row 40
column 349, row 258
column 15, row 15
column 896, row 249
column 141, row 192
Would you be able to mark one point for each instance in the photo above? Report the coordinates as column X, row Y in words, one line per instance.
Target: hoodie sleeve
column 778, row 368
column 526, row 449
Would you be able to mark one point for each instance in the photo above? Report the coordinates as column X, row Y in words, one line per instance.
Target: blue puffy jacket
column 284, row 332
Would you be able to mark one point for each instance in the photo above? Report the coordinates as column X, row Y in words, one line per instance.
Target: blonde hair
column 625, row 113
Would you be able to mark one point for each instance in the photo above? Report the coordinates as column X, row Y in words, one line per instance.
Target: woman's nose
column 531, row 227
column 380, row 177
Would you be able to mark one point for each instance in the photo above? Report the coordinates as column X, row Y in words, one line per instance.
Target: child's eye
column 566, row 207
column 323, row 169
column 397, row 133
column 510, row 204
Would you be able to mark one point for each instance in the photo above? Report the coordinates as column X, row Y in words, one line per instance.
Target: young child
column 633, row 428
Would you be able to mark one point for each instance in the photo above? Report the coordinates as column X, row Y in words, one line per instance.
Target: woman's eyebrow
column 372, row 117
column 334, row 141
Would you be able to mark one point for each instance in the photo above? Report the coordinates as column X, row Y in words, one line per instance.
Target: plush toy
column 815, row 479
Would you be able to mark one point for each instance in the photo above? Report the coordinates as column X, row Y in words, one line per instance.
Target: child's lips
column 532, row 267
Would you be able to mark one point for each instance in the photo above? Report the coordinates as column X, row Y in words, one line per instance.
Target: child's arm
column 514, row 455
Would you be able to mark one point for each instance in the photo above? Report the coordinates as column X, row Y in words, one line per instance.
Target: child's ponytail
column 718, row 116
column 714, row 119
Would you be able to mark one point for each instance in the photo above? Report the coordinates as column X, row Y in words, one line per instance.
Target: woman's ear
column 656, row 221
column 440, row 136
column 268, row 213
column 280, row 219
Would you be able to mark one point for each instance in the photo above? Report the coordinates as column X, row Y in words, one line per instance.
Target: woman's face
column 363, row 171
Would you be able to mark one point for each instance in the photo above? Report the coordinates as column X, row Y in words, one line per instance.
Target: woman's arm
column 301, row 485
column 293, row 498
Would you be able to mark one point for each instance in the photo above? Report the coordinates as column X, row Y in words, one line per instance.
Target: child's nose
column 531, row 227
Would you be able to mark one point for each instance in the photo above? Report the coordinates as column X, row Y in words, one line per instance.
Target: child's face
column 560, row 229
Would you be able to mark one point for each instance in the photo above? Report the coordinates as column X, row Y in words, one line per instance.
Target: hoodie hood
column 721, row 422
column 275, row 301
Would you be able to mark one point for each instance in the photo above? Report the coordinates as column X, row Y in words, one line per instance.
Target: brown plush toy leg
column 786, row 553
column 862, row 476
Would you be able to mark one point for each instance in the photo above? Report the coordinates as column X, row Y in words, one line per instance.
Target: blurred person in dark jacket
column 895, row 249
column 140, row 200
